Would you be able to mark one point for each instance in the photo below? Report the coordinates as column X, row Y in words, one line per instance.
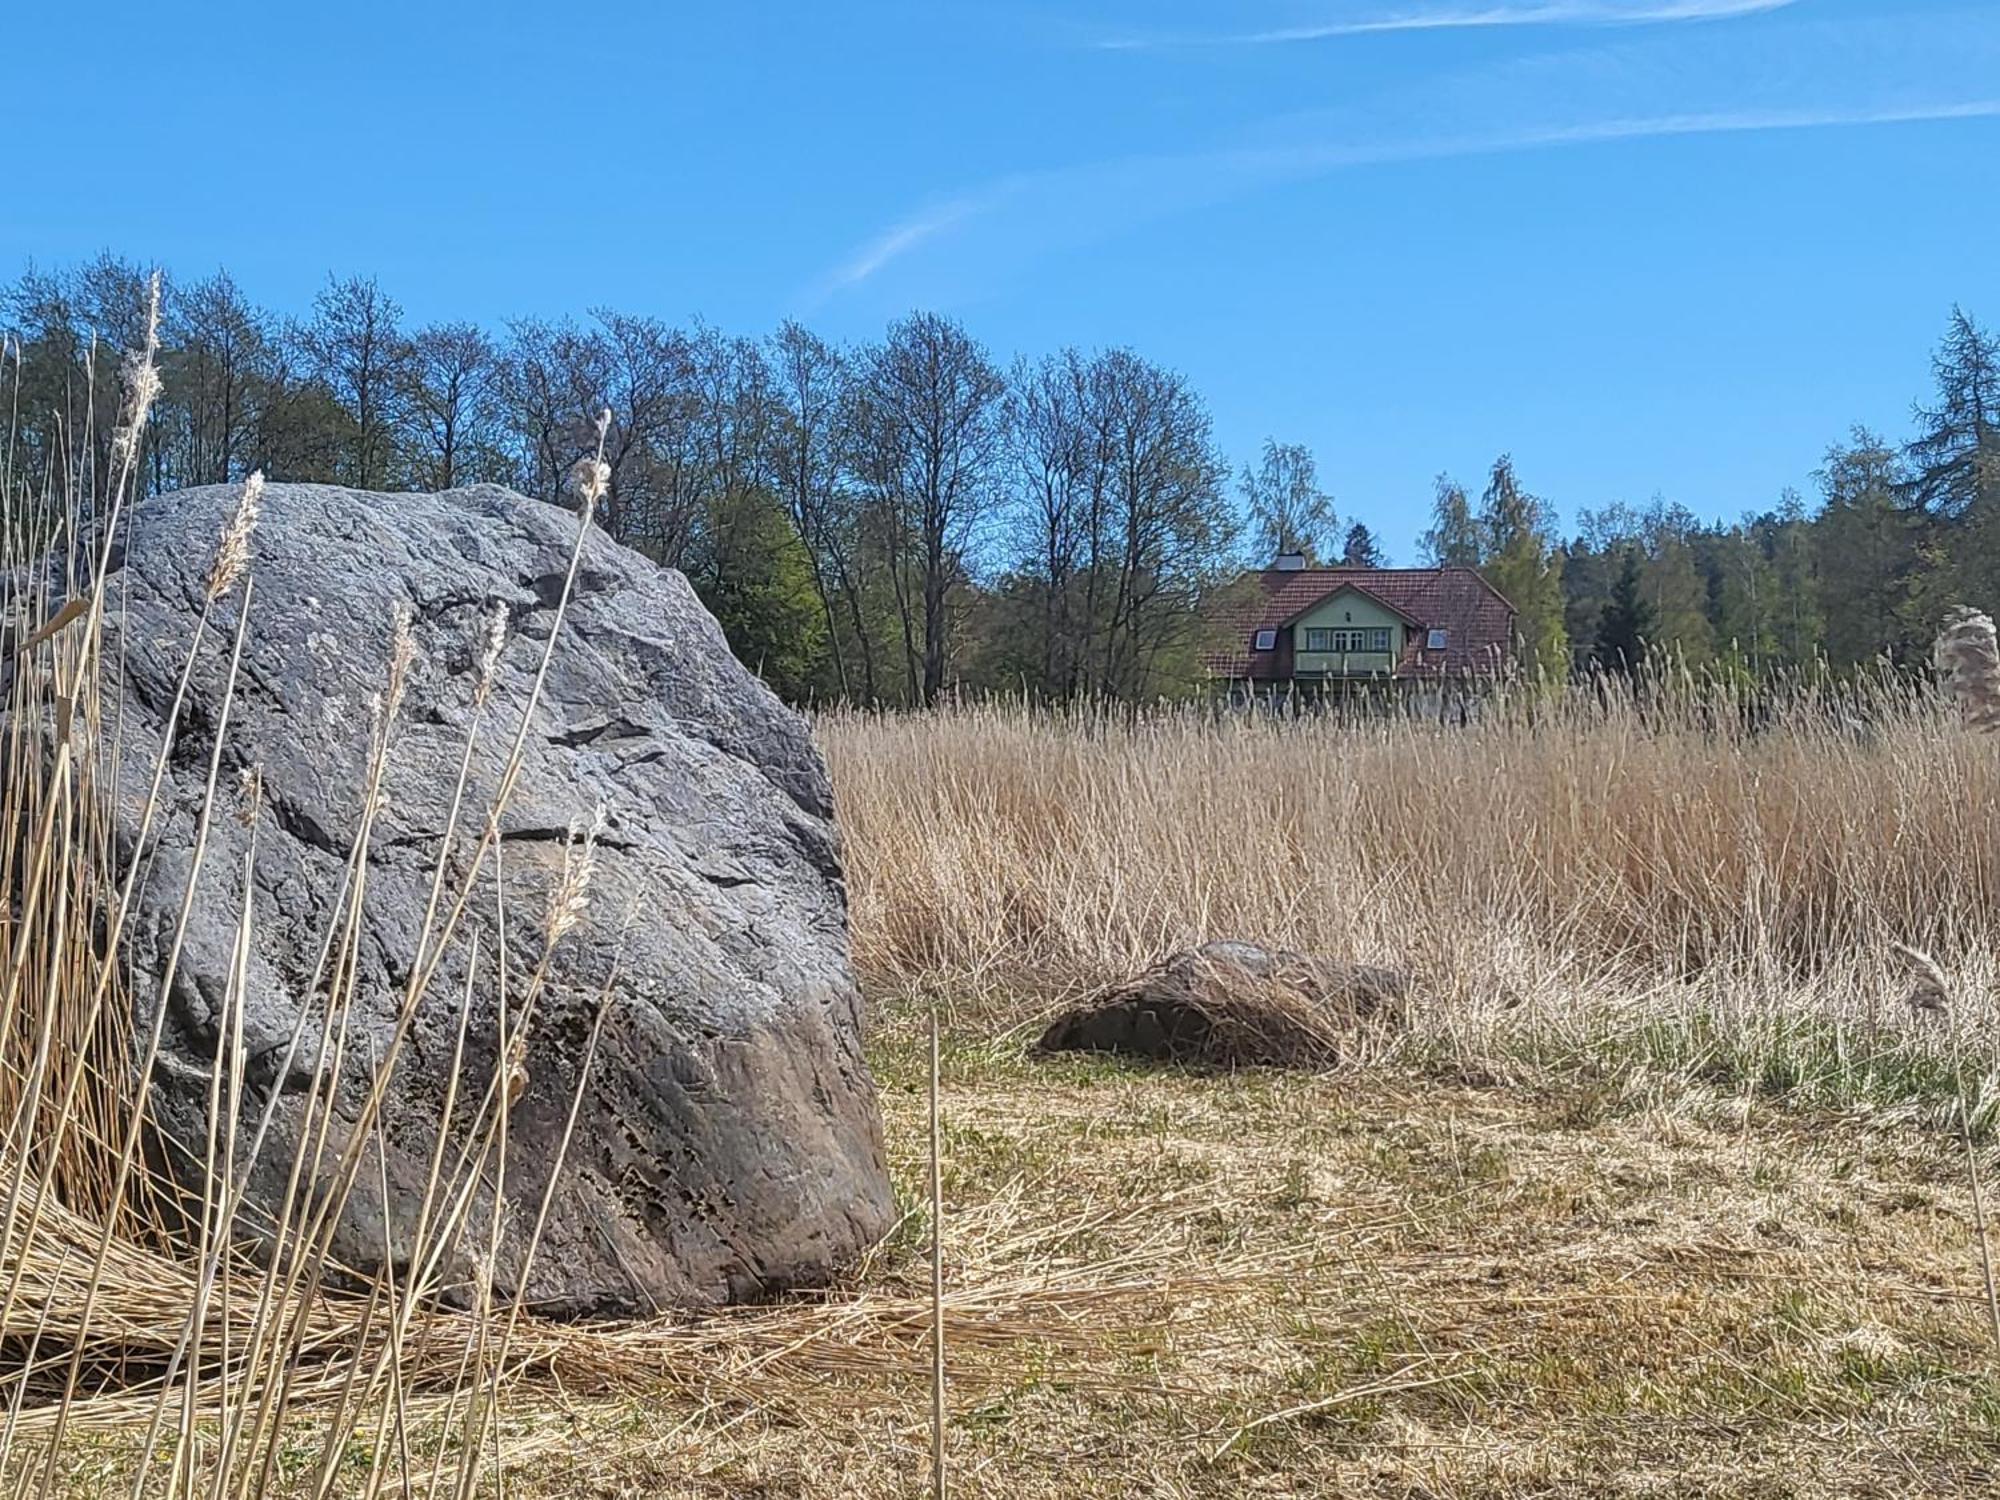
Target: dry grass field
column 1388, row 1284
column 1660, row 1193
column 1662, row 1187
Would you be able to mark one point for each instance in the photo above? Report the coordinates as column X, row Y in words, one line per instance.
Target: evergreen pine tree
column 1953, row 478
column 1955, row 457
column 1361, row 549
column 1867, row 552
column 1627, row 620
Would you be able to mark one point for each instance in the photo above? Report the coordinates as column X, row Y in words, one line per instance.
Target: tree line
column 889, row 521
column 1860, row 572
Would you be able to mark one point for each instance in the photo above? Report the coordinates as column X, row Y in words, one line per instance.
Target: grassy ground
column 1390, row 1284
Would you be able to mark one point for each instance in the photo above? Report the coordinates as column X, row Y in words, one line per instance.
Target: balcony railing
column 1343, row 664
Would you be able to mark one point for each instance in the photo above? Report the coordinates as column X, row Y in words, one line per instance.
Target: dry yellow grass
column 1561, row 874
column 990, row 844
column 1299, row 1285
column 1377, row 1286
column 1652, row 1195
column 1654, row 1198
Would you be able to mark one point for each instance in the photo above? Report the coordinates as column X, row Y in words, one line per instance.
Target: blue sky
column 1670, row 246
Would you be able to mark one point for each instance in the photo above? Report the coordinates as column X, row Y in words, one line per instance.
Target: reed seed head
column 249, row 795
column 489, row 655
column 141, row 379
column 571, row 896
column 517, row 1067
column 589, row 479
column 232, row 551
column 590, row 476
column 1968, row 659
column 142, row 388
column 402, row 652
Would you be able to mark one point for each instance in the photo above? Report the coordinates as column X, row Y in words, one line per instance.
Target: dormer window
column 1264, row 640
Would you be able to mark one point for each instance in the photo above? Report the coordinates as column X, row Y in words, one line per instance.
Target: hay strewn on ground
column 1390, row 1286
column 1372, row 1284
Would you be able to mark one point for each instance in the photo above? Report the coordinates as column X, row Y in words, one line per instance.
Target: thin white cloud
column 1724, row 121
column 1685, row 81
column 900, row 240
column 1470, row 17
column 1106, row 197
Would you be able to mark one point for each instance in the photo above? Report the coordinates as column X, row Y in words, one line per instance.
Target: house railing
column 1343, row 664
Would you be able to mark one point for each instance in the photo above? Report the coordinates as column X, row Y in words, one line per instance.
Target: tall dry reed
column 1554, row 863
column 1054, row 849
column 136, row 1283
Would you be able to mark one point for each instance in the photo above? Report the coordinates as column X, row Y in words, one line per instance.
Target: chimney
column 1290, row 562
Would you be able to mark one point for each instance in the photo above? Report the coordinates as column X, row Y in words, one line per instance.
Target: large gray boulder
column 728, row 1142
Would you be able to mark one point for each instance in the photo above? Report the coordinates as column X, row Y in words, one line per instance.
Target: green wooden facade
column 1347, row 634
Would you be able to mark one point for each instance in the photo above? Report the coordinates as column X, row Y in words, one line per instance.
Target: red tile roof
column 1477, row 619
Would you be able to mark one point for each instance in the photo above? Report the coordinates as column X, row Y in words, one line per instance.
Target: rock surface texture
column 1235, row 1004
column 727, row 1142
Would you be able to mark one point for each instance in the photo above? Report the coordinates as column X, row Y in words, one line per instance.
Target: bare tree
column 933, row 404
column 1051, row 443
column 1122, row 519
column 303, row 432
column 684, row 420
column 550, row 386
column 58, row 370
column 449, row 406
column 1173, row 529
column 734, row 429
column 657, row 464
column 218, row 371
column 355, row 349
column 810, row 384
column 69, row 331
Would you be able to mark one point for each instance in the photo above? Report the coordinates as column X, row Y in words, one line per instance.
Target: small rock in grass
column 1236, row 1004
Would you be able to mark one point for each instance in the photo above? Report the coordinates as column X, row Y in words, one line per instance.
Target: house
column 1324, row 630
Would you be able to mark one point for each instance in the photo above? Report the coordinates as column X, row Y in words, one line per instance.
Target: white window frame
column 1264, row 640
column 1348, row 640
column 1356, row 640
